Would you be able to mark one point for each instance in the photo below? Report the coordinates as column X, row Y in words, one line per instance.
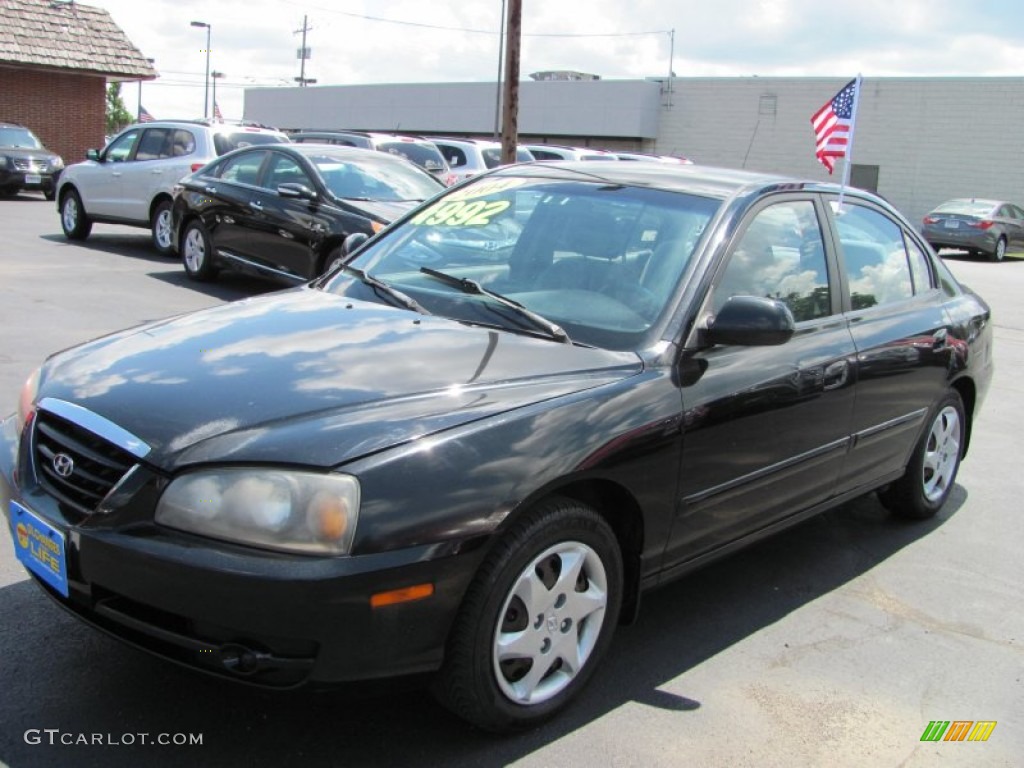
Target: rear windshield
column 424, row 155
column 967, row 207
column 225, row 142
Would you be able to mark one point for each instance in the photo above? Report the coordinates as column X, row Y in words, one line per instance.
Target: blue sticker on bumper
column 40, row 547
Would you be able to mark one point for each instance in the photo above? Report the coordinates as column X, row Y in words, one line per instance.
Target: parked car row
column 25, row 163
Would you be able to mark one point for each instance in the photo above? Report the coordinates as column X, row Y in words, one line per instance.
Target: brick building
column 56, row 57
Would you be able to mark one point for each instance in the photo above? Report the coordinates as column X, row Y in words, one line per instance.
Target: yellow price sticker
column 461, row 213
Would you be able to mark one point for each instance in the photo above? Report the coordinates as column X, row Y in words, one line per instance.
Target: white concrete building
column 918, row 141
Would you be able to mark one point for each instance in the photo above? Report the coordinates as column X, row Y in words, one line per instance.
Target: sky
column 254, row 43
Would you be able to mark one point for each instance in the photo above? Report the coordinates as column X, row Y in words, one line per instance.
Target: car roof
column 702, row 180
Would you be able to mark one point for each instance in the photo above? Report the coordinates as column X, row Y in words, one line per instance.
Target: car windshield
column 225, row 142
column 492, row 156
column 373, row 178
column 600, row 260
column 967, row 207
column 19, row 137
column 424, row 155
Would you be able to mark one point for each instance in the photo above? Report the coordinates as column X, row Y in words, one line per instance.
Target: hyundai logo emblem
column 63, row 465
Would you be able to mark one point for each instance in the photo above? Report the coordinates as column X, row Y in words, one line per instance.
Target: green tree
column 117, row 116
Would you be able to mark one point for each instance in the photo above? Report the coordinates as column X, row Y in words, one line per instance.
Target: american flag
column 144, row 116
column 832, row 124
column 216, row 113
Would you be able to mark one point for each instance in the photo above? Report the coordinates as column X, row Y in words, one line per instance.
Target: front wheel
column 197, row 252
column 929, row 478
column 160, row 226
column 536, row 620
column 73, row 221
column 334, row 260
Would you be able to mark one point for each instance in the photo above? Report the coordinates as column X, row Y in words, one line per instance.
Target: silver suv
column 131, row 180
column 469, row 157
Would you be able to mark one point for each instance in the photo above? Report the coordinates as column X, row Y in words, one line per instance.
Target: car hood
column 307, row 377
column 380, row 209
column 26, row 152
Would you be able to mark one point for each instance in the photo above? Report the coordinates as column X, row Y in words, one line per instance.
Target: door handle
column 836, row 374
column 256, row 205
column 156, row 171
column 210, row 190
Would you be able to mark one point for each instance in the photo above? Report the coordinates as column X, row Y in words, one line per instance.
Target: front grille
column 27, row 164
column 75, row 465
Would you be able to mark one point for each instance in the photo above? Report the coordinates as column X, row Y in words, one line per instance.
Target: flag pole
column 849, row 145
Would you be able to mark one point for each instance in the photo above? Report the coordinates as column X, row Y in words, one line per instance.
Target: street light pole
column 215, row 76
column 497, row 95
column 206, row 92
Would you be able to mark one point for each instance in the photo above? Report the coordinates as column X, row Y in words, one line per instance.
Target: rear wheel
column 536, row 620
column 1000, row 252
column 160, row 226
column 197, row 252
column 73, row 221
column 929, row 478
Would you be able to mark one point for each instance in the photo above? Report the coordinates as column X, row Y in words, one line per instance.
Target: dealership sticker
column 40, row 547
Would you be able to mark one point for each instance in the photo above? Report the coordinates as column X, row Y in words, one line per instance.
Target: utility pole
column 510, row 116
column 304, row 54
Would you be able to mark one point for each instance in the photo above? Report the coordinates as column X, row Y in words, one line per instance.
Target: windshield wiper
column 471, row 286
column 406, row 301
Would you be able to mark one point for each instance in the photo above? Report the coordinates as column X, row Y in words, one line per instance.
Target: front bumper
column 47, row 182
column 264, row 618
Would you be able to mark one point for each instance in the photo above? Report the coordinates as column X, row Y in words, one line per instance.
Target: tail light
column 983, row 224
column 930, row 220
column 196, row 166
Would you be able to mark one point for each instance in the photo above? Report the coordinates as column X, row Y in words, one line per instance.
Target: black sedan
column 284, row 211
column 470, row 462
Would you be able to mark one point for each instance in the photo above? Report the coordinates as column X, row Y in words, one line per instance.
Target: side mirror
column 353, row 241
column 92, row 154
column 749, row 321
column 296, row 191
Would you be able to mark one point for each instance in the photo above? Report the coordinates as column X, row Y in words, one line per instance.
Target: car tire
column 160, row 228
column 197, row 252
column 73, row 220
column 530, row 633
column 929, row 477
column 1000, row 250
column 333, row 259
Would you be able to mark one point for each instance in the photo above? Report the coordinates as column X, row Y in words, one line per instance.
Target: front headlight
column 282, row 510
column 27, row 399
column 56, row 162
column 4, row 161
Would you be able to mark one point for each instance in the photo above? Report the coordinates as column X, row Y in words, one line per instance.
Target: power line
column 474, row 31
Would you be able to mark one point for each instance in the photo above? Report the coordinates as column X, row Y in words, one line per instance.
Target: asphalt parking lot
column 832, row 644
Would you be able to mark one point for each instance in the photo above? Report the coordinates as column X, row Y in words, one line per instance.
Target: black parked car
column 471, row 464
column 25, row 163
column 284, row 211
